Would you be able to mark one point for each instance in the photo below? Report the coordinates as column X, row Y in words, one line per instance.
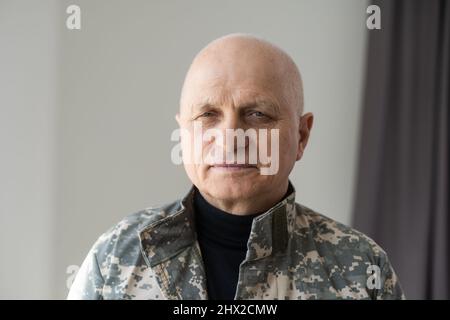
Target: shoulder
column 123, row 239
column 343, row 242
column 115, row 260
column 356, row 264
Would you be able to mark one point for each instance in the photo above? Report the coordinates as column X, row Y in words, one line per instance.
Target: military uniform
column 292, row 253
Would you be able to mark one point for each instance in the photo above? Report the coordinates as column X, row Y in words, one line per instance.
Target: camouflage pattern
column 292, row 253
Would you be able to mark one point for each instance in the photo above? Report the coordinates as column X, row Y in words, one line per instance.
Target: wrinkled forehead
column 233, row 81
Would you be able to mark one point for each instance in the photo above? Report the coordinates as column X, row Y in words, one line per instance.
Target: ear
column 305, row 126
column 177, row 117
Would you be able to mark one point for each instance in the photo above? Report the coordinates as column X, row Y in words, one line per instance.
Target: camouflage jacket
column 292, row 253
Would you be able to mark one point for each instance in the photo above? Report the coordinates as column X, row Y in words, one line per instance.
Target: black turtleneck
column 223, row 241
column 222, row 237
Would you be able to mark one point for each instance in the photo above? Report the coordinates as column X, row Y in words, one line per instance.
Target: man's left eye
column 257, row 114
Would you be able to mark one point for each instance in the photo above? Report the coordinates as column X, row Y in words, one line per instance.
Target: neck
column 250, row 205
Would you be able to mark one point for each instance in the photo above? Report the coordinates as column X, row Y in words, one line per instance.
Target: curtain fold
column 402, row 187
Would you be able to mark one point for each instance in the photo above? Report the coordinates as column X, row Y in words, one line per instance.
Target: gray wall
column 86, row 121
column 28, row 149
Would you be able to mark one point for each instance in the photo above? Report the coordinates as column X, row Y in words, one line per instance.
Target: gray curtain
column 402, row 188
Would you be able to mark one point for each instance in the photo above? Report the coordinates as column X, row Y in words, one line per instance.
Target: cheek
column 209, row 149
column 188, row 155
column 190, row 145
column 288, row 146
column 283, row 141
column 186, row 142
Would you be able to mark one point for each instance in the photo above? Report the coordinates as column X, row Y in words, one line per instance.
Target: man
column 238, row 234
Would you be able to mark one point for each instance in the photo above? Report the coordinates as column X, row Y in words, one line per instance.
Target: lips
column 233, row 165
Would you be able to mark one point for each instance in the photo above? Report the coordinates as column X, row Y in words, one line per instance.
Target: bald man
column 238, row 233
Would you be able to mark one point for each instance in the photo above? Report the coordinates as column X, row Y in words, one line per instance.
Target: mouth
column 233, row 167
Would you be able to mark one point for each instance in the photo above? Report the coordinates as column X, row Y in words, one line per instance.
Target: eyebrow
column 258, row 102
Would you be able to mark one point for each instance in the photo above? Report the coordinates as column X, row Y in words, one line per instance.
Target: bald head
column 239, row 63
column 239, row 82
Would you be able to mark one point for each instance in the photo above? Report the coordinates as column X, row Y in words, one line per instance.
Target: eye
column 207, row 114
column 257, row 114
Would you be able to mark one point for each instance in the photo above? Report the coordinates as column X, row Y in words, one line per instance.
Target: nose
column 231, row 120
column 231, row 128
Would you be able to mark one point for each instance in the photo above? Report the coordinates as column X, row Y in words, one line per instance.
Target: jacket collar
column 271, row 231
column 169, row 244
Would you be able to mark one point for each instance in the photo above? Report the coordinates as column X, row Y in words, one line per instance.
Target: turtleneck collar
column 218, row 226
column 223, row 228
column 175, row 227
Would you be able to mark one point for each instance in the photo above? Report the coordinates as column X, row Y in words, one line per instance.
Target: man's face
column 230, row 93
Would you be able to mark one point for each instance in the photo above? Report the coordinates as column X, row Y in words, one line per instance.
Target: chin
column 232, row 189
column 234, row 195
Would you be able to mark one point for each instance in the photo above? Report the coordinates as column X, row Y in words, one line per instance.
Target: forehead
column 222, row 86
column 243, row 98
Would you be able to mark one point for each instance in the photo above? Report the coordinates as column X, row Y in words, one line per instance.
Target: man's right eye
column 207, row 114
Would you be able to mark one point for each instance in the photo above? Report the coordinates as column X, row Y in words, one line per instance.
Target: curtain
column 402, row 182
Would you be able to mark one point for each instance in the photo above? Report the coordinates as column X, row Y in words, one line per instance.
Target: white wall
column 28, row 104
column 118, row 87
